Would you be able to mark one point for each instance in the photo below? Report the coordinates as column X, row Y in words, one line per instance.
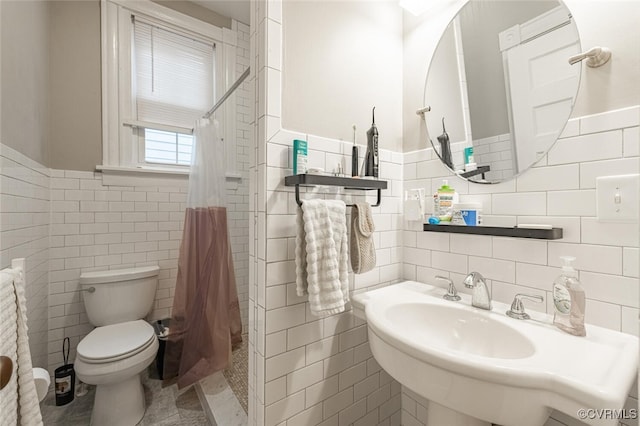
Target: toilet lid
column 116, row 341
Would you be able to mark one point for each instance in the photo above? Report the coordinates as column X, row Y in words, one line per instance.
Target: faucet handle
column 517, row 307
column 452, row 293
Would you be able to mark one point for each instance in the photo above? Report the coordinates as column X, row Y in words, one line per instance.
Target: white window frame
column 121, row 149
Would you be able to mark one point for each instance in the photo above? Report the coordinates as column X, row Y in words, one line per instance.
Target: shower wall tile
column 562, row 194
column 24, row 233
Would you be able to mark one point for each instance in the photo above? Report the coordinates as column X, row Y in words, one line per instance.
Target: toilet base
column 119, row 404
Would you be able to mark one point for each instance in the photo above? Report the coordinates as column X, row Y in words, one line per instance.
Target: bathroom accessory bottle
column 299, row 157
column 371, row 158
column 443, row 201
column 354, row 155
column 569, row 300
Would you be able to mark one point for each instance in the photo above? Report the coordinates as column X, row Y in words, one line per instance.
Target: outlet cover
column 617, row 198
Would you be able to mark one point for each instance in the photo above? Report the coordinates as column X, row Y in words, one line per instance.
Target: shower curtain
column 205, row 320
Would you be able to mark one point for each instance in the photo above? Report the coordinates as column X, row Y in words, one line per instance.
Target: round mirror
column 500, row 86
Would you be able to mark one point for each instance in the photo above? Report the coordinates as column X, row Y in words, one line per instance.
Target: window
column 167, row 147
column 174, row 84
column 161, row 71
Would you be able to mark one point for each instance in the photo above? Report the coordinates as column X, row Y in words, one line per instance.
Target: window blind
column 173, row 76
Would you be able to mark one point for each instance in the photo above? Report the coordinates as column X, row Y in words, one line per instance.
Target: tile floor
column 237, row 375
column 165, row 406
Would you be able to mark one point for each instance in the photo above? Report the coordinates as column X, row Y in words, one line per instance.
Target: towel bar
column 299, row 201
column 345, row 182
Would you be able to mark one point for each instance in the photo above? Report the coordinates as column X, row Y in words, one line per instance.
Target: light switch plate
column 617, row 198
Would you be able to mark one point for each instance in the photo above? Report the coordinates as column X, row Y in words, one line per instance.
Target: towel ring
column 379, row 198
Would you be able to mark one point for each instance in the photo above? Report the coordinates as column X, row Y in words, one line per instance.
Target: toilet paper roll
column 42, row 381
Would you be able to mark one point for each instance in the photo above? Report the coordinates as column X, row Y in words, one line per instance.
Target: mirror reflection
column 500, row 86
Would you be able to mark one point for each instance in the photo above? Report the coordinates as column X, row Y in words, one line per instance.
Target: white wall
column 24, row 232
column 24, row 177
column 24, row 30
column 305, row 370
column 559, row 191
column 420, row 39
column 600, row 23
column 89, row 225
column 99, row 224
column 341, row 58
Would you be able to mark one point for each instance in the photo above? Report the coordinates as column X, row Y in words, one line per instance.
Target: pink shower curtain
column 205, row 321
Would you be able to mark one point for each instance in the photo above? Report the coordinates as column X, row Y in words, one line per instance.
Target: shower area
column 224, row 395
column 210, row 304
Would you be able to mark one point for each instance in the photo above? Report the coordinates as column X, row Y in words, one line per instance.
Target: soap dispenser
column 569, row 300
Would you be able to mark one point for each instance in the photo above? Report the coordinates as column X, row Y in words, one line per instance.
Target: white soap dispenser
column 569, row 300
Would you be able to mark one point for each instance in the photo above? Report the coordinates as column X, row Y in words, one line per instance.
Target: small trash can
column 65, row 377
column 161, row 328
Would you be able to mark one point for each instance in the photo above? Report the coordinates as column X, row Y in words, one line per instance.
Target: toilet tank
column 120, row 294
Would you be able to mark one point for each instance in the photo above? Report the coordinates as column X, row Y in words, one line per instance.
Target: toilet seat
column 115, row 342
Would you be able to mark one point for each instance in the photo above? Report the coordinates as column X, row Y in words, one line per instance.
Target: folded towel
column 321, row 256
column 363, row 250
column 19, row 402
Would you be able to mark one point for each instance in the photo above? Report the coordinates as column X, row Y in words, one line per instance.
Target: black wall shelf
column 344, row 182
column 541, row 234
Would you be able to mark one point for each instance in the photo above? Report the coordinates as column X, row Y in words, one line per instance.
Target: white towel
column 322, row 256
column 19, row 402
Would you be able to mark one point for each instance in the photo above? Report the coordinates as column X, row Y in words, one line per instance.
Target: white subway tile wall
column 558, row 191
column 319, row 370
column 305, row 370
column 98, row 227
column 89, row 234
column 238, row 197
column 24, row 233
column 495, row 151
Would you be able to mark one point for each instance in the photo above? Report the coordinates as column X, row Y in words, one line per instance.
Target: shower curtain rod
column 224, row 97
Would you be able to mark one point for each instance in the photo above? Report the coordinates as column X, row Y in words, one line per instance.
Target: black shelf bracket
column 345, row 182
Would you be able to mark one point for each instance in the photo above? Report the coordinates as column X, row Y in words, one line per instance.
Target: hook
column 596, row 57
column 421, row 111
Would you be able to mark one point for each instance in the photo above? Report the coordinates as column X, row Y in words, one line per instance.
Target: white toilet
column 121, row 346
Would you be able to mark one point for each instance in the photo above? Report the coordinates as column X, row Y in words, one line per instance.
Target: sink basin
column 460, row 330
column 490, row 367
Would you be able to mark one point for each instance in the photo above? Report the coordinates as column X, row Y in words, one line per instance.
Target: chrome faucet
column 480, row 297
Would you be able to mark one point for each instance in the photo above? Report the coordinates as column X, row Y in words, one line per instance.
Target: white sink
column 492, row 367
column 458, row 329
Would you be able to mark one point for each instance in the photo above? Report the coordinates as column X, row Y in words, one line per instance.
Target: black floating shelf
column 481, row 170
column 344, row 182
column 542, row 234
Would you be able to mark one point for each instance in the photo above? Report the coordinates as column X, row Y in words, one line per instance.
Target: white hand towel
column 322, row 256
